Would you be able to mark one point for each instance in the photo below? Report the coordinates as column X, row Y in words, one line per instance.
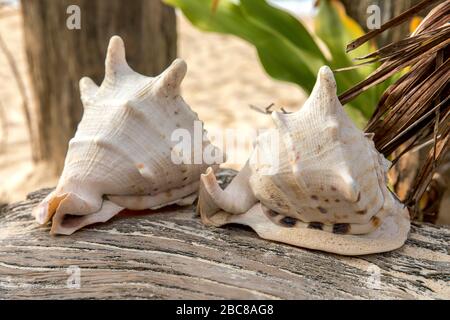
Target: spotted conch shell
column 328, row 190
column 121, row 154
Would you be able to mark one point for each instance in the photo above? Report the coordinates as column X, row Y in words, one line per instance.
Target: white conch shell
column 121, row 154
column 328, row 191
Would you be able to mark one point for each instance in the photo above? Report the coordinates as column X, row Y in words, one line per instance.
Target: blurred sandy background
column 224, row 78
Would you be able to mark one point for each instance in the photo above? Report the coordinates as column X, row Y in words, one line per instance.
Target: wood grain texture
column 170, row 254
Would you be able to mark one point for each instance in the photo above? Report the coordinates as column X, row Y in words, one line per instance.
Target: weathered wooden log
column 170, row 254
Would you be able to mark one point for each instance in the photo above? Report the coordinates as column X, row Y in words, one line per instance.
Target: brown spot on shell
column 359, row 197
column 288, row 221
column 315, row 225
column 337, row 200
column 326, row 200
column 361, row 211
column 375, row 221
column 272, row 213
column 333, row 188
column 322, row 210
column 341, row 228
column 314, row 197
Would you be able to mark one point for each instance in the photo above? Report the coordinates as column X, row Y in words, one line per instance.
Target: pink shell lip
column 44, row 212
column 40, row 213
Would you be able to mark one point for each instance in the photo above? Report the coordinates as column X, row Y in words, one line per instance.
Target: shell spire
column 325, row 82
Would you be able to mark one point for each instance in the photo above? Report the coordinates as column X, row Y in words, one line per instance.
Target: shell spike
column 170, row 80
column 237, row 198
column 88, row 89
column 325, row 80
column 324, row 93
column 115, row 59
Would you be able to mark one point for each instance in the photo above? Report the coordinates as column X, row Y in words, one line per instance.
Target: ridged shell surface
column 316, row 181
column 328, row 170
column 123, row 151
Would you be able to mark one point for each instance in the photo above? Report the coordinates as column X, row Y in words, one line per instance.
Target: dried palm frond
column 391, row 23
column 415, row 109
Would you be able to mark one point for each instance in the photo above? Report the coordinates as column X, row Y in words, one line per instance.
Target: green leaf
column 281, row 58
column 336, row 29
column 283, row 24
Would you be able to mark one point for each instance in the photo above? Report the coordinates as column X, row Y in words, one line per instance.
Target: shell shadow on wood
column 121, row 154
column 327, row 190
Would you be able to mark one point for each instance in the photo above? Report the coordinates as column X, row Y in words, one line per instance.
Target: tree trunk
column 58, row 57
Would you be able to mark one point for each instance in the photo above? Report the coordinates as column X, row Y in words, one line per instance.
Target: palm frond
column 391, row 23
column 415, row 109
